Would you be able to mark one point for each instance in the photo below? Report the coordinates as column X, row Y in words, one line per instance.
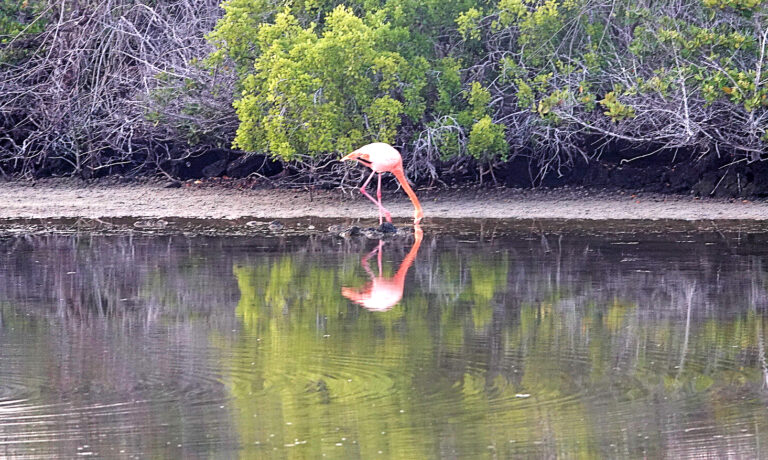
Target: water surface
column 491, row 340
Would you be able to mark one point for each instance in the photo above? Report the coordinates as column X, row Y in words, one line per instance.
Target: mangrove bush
column 461, row 87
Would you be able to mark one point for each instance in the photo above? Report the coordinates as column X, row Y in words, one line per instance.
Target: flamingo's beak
column 352, row 156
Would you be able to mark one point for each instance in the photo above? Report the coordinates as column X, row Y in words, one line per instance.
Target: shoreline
column 68, row 198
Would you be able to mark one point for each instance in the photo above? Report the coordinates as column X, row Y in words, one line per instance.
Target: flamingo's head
column 360, row 156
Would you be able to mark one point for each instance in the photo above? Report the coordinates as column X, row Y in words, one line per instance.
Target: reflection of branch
column 761, row 352
column 689, row 299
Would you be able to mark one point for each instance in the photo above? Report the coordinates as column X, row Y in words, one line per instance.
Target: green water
column 526, row 341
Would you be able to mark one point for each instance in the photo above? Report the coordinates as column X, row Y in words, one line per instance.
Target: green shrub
column 19, row 19
column 315, row 91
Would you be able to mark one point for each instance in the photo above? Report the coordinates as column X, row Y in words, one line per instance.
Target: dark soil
column 667, row 172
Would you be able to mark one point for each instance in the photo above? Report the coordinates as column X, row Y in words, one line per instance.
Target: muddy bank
column 68, row 198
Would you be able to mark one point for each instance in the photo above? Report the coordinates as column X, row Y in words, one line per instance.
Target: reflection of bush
column 95, row 276
column 487, row 279
column 557, row 324
column 480, row 324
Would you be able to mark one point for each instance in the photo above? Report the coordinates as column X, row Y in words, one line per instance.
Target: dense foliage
column 460, row 87
column 552, row 80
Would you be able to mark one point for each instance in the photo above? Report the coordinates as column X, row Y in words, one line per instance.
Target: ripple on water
column 87, row 403
column 341, row 378
column 32, row 430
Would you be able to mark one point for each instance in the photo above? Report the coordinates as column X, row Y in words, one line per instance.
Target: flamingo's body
column 381, row 294
column 381, row 157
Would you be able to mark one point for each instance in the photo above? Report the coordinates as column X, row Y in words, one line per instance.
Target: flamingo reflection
column 381, row 293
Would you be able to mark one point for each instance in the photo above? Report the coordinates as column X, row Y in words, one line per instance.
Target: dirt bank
column 68, row 198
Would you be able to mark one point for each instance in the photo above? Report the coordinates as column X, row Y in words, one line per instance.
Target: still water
column 491, row 341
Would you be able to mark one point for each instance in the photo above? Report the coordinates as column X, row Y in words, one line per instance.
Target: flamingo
column 381, row 157
column 380, row 293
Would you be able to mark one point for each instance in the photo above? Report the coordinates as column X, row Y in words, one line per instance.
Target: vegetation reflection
column 488, row 352
column 510, row 346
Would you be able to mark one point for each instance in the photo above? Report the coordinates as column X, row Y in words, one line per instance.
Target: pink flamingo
column 381, row 294
column 381, row 157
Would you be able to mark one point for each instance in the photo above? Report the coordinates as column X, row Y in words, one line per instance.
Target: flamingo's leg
column 381, row 252
column 377, row 203
column 365, row 262
column 381, row 207
column 378, row 197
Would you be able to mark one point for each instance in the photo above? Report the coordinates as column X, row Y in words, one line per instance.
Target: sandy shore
column 68, row 198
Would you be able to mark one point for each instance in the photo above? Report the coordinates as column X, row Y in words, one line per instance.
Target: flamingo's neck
column 400, row 175
column 399, row 277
